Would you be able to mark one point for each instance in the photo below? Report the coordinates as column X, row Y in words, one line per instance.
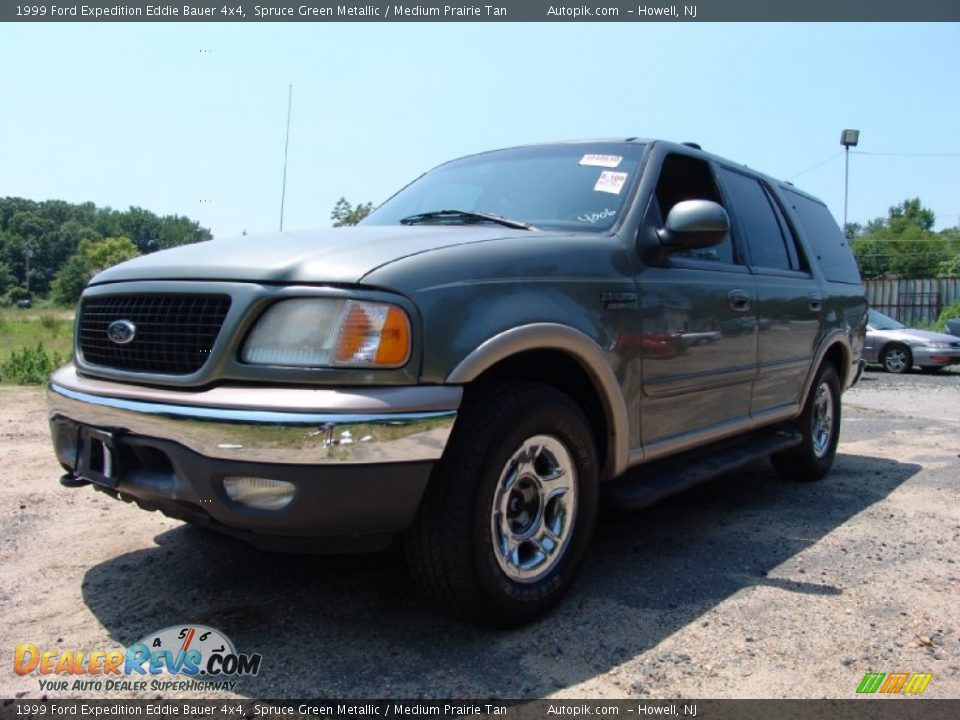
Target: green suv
column 470, row 368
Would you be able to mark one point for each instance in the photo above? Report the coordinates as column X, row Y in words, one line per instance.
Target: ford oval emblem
column 121, row 331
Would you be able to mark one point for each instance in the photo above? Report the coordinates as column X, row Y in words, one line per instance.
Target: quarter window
column 824, row 237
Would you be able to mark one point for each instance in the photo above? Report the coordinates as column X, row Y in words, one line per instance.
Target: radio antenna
column 286, row 146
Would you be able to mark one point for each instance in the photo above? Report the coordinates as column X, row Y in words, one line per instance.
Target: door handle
column 739, row 301
column 816, row 303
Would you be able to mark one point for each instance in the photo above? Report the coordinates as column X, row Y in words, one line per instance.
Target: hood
column 338, row 255
column 910, row 335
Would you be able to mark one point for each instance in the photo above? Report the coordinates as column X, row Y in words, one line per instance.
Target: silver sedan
column 898, row 348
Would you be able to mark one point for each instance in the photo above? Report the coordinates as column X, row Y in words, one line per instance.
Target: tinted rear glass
column 824, row 237
column 767, row 248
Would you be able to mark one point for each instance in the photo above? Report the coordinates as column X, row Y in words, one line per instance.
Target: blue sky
column 189, row 118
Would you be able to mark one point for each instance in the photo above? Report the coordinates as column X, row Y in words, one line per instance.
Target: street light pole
column 848, row 138
column 846, row 185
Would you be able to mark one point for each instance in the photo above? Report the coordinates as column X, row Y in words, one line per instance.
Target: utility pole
column 27, row 253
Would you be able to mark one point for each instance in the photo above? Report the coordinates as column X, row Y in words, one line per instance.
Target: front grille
column 174, row 333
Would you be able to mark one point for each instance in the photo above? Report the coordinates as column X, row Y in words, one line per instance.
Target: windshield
column 879, row 321
column 575, row 187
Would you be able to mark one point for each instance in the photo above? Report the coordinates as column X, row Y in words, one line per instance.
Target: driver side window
column 687, row 178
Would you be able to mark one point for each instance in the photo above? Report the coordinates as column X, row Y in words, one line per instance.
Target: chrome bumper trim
column 295, row 437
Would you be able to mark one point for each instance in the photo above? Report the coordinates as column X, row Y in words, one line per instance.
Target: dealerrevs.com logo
column 180, row 657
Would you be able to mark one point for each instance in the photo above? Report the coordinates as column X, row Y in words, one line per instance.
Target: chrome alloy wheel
column 534, row 509
column 895, row 360
column 822, row 430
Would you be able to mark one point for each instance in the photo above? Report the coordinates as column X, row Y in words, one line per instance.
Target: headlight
column 329, row 332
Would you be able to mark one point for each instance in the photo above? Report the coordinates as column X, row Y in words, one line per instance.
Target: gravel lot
column 746, row 587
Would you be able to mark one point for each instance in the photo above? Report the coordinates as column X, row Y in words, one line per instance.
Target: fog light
column 259, row 493
column 67, row 452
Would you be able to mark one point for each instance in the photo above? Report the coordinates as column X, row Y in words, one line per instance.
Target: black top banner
column 481, row 11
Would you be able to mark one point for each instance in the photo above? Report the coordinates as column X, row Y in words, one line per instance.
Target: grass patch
column 29, row 366
column 33, row 343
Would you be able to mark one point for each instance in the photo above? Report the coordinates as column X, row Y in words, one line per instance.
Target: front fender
column 580, row 347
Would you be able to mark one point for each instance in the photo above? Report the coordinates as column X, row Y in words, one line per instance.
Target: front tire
column 819, row 424
column 896, row 358
column 506, row 520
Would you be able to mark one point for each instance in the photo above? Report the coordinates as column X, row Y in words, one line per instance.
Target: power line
column 877, row 154
column 814, row 167
column 898, row 154
column 918, row 254
column 870, row 239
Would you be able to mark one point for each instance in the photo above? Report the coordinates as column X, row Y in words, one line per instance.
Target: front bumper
column 935, row 357
column 359, row 458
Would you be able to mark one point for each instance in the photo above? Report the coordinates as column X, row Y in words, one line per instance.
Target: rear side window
column 825, row 238
column 759, row 223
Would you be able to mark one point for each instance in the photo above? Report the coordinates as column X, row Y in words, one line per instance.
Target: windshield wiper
column 465, row 215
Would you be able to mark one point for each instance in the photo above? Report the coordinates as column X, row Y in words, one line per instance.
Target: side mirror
column 694, row 224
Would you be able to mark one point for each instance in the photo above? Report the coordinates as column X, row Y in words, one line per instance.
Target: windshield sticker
column 595, row 217
column 610, row 182
column 608, row 161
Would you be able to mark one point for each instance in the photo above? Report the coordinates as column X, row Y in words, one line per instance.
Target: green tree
column 49, row 233
column 950, row 312
column 7, row 279
column 28, row 242
column 911, row 212
column 176, row 230
column 92, row 256
column 951, row 266
column 872, row 254
column 143, row 227
column 344, row 213
column 14, row 295
column 903, row 244
column 853, row 229
column 69, row 281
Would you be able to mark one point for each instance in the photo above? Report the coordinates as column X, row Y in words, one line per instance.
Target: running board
column 646, row 484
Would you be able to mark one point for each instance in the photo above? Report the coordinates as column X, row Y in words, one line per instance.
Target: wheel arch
column 839, row 356
column 569, row 360
column 889, row 343
column 836, row 350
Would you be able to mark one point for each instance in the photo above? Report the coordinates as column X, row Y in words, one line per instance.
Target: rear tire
column 506, row 520
column 819, row 423
column 896, row 358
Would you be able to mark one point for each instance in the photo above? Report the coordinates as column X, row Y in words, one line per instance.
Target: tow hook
column 72, row 481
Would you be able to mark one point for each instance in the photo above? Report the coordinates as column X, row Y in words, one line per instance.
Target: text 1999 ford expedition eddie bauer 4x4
column 492, row 348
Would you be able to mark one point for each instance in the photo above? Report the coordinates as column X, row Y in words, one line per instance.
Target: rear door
column 789, row 298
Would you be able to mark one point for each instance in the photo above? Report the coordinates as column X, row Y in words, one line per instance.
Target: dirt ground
column 749, row 586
